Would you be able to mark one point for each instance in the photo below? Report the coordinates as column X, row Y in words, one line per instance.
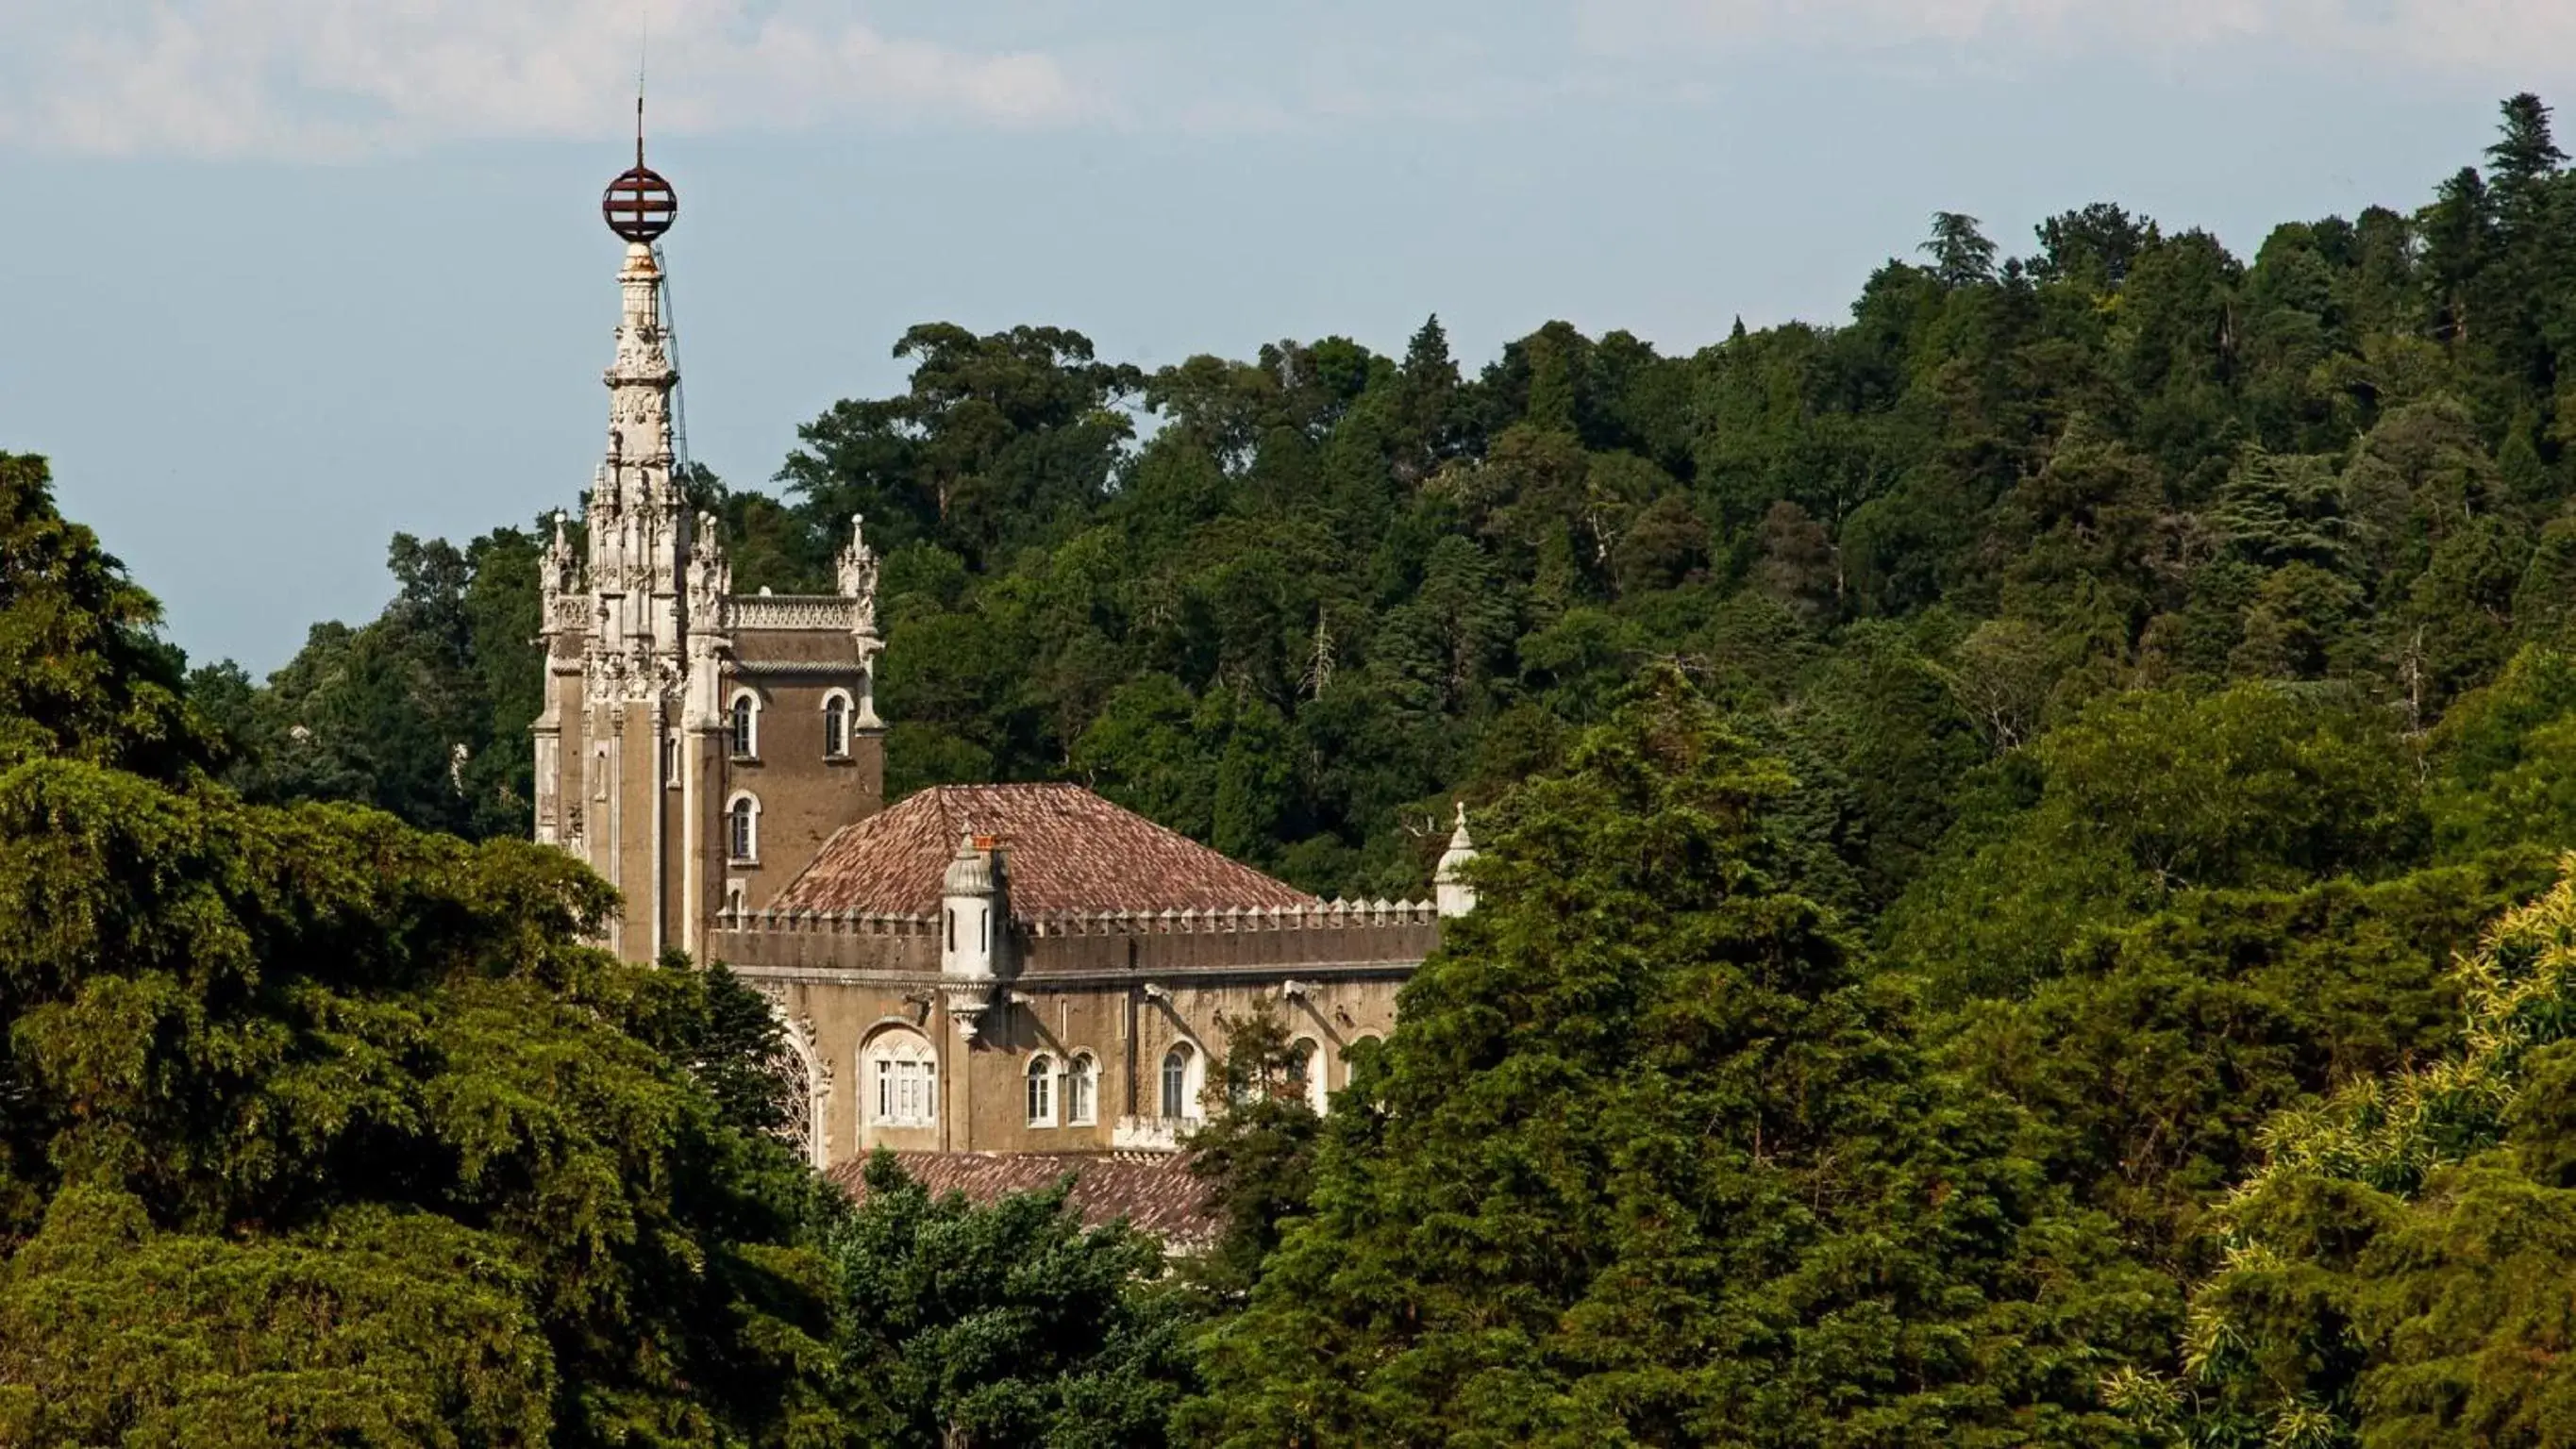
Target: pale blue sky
column 282, row 277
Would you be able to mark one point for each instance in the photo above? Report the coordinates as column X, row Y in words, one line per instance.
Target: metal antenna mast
column 661, row 263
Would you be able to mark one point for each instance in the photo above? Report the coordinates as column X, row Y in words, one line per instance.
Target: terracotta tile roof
column 1153, row 1190
column 1066, row 849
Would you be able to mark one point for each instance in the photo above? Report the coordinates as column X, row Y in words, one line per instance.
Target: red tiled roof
column 1152, row 1190
column 1065, row 849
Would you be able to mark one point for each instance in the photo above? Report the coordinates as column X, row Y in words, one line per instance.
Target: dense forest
column 2022, row 900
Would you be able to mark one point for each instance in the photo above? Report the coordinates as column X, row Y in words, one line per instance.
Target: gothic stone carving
column 857, row 568
column 800, row 1076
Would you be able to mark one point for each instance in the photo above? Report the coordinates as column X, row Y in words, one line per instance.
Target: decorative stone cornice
column 792, row 613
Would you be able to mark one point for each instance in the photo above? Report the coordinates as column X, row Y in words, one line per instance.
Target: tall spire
column 639, row 528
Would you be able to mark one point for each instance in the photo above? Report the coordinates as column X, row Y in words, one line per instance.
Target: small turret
column 1449, row 887
column 975, row 912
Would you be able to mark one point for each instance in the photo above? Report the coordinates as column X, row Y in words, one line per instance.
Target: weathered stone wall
column 1125, row 1030
column 805, row 795
column 1122, row 992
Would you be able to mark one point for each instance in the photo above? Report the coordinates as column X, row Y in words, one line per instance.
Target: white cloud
column 305, row 78
column 2535, row 38
column 326, row 78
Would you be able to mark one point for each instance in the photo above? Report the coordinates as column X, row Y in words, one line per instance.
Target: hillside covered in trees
column 2022, row 899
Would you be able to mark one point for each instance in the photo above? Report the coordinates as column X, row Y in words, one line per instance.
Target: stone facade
column 1061, row 939
column 1009, row 969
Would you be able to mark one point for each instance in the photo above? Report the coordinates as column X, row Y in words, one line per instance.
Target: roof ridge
column 1076, row 850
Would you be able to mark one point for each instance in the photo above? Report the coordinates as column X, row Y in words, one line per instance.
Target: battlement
column 1322, row 916
column 1335, row 933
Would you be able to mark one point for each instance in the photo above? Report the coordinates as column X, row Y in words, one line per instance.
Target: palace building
column 993, row 981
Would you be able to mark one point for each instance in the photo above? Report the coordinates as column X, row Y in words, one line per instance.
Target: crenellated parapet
column 1323, row 916
column 790, row 921
column 1233, row 920
column 1356, row 934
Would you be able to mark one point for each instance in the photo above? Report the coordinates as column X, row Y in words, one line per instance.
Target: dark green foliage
column 373, row 1053
column 1256, row 1154
column 320, row 1129
column 735, row 1047
column 2150, row 794
column 1653, row 1161
column 424, row 712
column 82, row 674
column 2398, row 1266
column 1007, row 1324
column 2158, row 1051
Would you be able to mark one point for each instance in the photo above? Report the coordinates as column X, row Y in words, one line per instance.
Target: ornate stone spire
column 639, row 527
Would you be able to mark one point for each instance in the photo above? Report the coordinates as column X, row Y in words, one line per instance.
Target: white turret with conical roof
column 974, row 905
column 1449, row 887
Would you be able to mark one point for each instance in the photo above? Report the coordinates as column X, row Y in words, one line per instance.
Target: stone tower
column 695, row 748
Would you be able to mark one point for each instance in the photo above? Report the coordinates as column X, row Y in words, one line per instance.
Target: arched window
column 836, row 726
column 743, row 726
column 1082, row 1091
column 1180, row 1081
column 1306, row 1072
column 742, row 830
column 902, row 1073
column 1041, row 1091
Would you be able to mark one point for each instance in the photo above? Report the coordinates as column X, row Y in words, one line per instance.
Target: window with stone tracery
column 791, row 1082
column 903, row 1081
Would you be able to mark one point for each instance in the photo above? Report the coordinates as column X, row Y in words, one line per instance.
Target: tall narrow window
column 1041, row 1091
column 836, row 727
column 1176, row 1081
column 744, row 727
column 1082, row 1091
column 1306, row 1073
column 742, row 829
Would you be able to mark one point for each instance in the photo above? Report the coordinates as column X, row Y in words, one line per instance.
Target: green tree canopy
column 1652, row 1160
